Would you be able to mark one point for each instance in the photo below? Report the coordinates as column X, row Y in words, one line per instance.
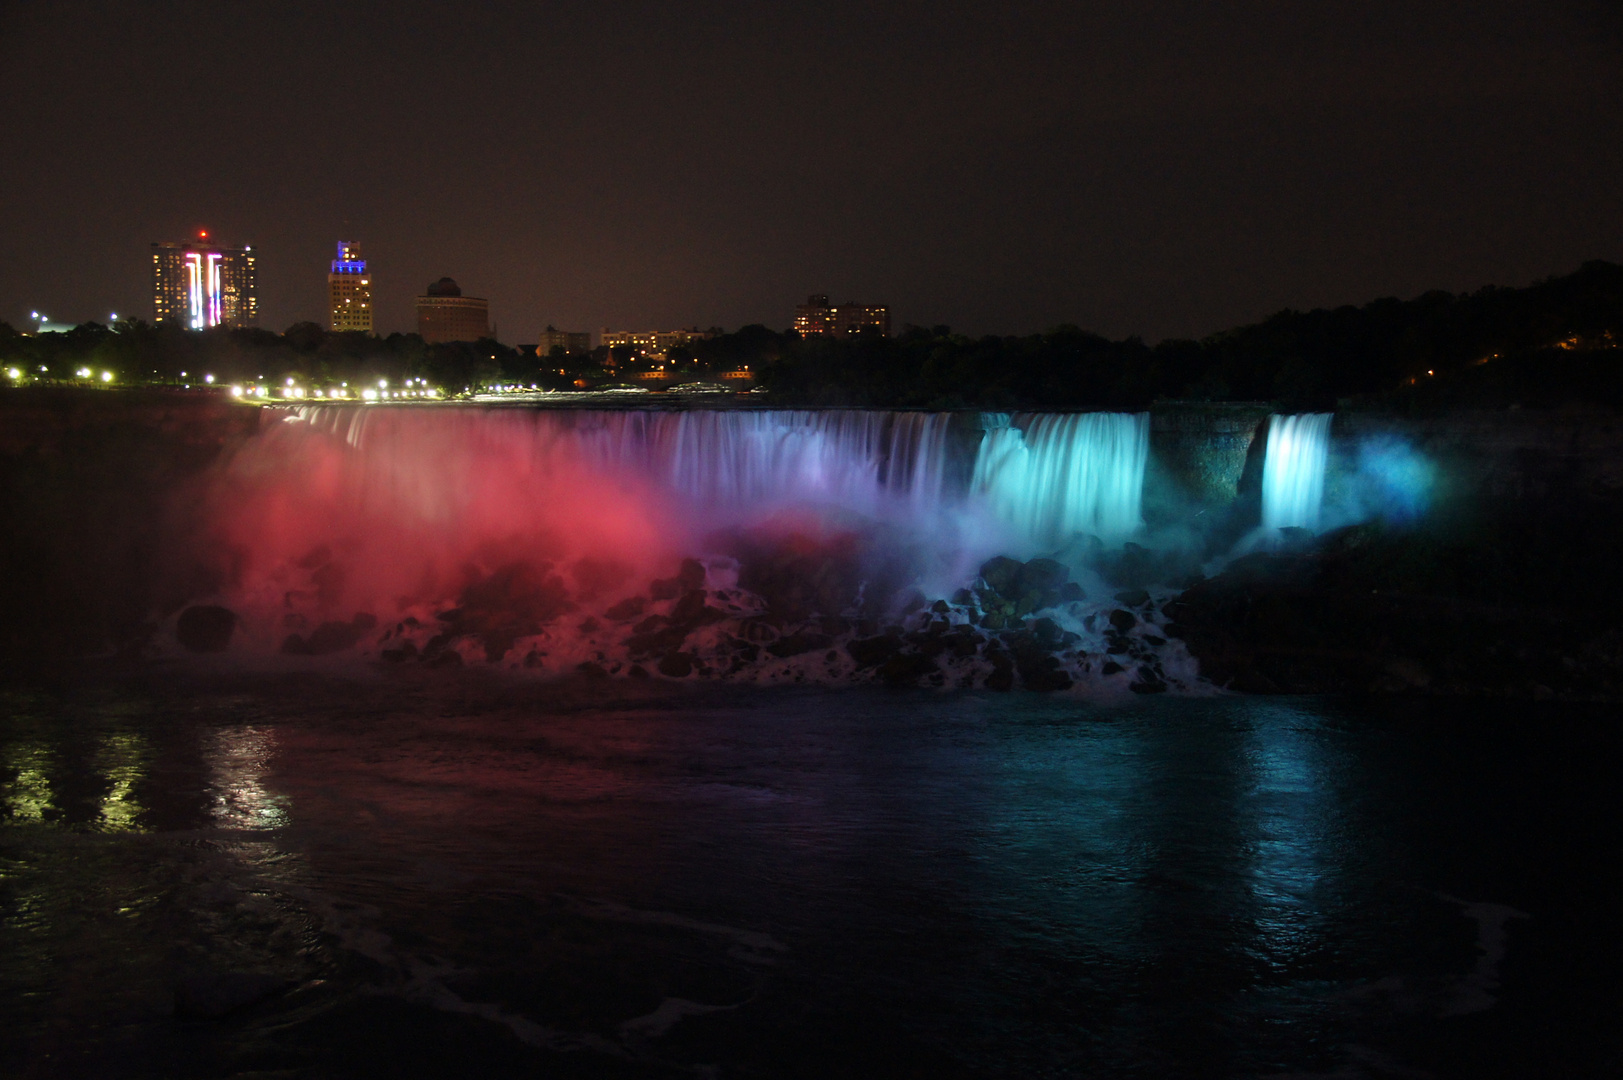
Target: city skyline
column 1159, row 171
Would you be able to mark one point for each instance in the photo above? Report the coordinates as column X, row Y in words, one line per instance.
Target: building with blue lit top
column 349, row 289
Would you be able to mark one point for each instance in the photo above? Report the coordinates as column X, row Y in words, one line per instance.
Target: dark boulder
column 873, row 651
column 205, row 628
column 1043, row 576
column 691, row 576
column 1002, row 574
column 626, row 610
column 795, row 644
column 331, row 637
column 1123, row 620
column 676, row 665
column 906, row 669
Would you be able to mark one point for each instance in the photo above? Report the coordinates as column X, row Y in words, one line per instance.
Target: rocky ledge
column 1364, row 609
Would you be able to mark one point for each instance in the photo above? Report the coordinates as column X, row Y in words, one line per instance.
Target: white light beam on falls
column 1293, row 470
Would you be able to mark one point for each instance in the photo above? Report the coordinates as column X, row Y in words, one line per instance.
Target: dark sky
column 1153, row 168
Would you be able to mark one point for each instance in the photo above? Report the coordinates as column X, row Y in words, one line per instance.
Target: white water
column 1057, row 475
column 1293, row 470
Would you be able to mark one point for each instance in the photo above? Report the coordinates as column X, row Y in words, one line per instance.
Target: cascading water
column 1293, row 470
column 799, row 541
column 1052, row 476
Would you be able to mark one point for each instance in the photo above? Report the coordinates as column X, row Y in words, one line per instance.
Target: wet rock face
column 205, row 628
column 1366, row 611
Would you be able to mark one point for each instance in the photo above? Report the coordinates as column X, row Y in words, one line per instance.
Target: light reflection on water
column 122, row 757
column 1293, row 816
column 961, row 884
column 238, row 759
column 27, row 791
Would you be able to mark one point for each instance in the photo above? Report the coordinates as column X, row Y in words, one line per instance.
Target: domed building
column 444, row 314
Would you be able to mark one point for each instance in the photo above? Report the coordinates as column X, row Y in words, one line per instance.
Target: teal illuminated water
column 458, row 875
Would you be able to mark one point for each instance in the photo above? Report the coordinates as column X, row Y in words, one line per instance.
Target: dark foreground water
column 471, row 878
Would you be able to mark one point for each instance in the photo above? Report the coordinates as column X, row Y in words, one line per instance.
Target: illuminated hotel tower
column 349, row 289
column 201, row 285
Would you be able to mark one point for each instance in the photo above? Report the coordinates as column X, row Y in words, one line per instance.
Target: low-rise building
column 444, row 314
column 818, row 316
column 653, row 344
column 570, row 341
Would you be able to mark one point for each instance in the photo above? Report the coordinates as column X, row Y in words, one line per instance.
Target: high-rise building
column 818, row 316
column 199, row 285
column 349, row 289
column 444, row 314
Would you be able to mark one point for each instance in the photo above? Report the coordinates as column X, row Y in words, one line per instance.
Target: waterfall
column 731, row 462
column 1293, row 470
column 1056, row 475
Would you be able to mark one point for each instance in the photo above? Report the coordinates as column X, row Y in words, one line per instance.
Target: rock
column 589, row 625
column 205, row 628
column 656, row 642
column 331, row 637
column 873, row 651
column 1043, row 576
column 691, row 576
column 1149, row 681
column 676, row 665
column 1123, row 620
column 1133, row 597
column 1045, row 679
column 689, row 608
column 1000, row 680
column 795, row 644
column 992, row 620
column 364, row 621
column 665, row 588
column 637, row 671
column 400, row 654
column 963, row 597
column 940, row 607
column 1048, row 633
column 590, row 668
column 209, row 997
column 626, row 610
column 1070, row 592
column 1002, row 574
column 1111, row 668
column 905, row 669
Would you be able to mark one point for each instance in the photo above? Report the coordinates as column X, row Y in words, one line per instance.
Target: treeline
column 1430, row 347
column 1558, row 338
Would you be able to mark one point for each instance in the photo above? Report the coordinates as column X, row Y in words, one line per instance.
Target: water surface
column 461, row 875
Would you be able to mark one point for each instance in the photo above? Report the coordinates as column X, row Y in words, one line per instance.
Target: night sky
column 1152, row 168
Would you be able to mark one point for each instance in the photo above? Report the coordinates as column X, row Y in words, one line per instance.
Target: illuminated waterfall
column 1054, row 475
column 730, row 461
column 1293, row 470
